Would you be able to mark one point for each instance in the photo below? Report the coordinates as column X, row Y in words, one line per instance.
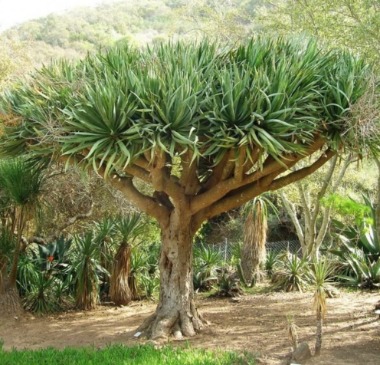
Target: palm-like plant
column 105, row 233
column 320, row 274
column 123, row 285
column 255, row 236
column 21, row 181
column 86, row 268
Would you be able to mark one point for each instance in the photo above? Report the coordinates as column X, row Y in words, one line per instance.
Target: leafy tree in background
column 206, row 129
column 312, row 230
column 354, row 24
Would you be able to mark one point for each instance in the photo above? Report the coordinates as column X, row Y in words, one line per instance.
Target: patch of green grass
column 119, row 354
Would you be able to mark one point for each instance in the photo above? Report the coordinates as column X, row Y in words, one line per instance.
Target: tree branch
column 299, row 174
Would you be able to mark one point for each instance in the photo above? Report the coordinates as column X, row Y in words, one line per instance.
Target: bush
column 291, row 273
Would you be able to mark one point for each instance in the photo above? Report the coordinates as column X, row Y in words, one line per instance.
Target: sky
column 13, row 12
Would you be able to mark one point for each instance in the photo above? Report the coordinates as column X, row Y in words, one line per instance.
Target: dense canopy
column 113, row 107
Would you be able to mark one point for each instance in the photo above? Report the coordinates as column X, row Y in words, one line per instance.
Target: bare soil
column 255, row 323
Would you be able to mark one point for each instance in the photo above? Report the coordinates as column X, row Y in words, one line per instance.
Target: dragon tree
column 205, row 128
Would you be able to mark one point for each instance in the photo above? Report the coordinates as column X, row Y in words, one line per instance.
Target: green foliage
column 118, row 354
column 7, row 244
column 291, row 273
column 206, row 263
column 196, row 96
column 359, row 251
column 40, row 297
column 349, row 207
column 21, row 180
column 86, row 269
column 343, row 23
column 272, row 260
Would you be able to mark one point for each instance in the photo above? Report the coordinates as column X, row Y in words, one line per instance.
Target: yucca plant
column 40, row 296
column 85, row 270
column 291, row 273
column 207, row 128
column 320, row 275
column 123, row 286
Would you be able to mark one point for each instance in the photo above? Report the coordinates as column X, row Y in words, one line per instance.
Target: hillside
column 76, row 32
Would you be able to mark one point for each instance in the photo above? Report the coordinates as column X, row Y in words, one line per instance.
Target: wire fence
column 226, row 249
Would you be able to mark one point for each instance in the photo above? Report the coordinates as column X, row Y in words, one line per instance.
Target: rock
column 301, row 353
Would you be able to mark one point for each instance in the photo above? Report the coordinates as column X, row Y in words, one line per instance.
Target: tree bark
column 120, row 292
column 10, row 303
column 318, row 337
column 176, row 313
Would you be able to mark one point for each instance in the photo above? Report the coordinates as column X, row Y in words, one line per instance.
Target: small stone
column 301, row 353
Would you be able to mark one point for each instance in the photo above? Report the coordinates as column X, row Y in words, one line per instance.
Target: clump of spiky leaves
column 271, row 261
column 86, row 268
column 21, row 182
column 123, row 286
column 206, row 263
column 291, row 273
column 320, row 274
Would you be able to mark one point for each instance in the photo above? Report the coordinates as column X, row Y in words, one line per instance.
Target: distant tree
column 311, row 230
column 206, row 128
column 354, row 24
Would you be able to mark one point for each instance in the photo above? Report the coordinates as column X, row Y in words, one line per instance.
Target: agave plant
column 359, row 251
column 291, row 273
column 206, row 264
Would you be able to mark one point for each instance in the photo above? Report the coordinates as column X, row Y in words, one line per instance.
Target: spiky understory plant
column 86, row 268
column 291, row 273
column 319, row 276
column 123, row 287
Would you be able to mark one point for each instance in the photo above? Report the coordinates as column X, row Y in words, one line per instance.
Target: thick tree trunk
column 10, row 303
column 253, row 251
column 176, row 313
column 120, row 291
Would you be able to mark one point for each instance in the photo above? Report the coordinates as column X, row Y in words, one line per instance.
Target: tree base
column 10, row 303
column 162, row 325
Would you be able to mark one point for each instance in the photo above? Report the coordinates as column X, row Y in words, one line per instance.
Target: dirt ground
column 257, row 323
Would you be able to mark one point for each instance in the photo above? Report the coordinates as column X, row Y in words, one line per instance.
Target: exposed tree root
column 177, row 324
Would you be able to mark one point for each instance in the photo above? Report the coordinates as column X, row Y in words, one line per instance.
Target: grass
column 119, row 354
